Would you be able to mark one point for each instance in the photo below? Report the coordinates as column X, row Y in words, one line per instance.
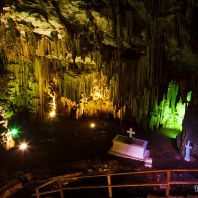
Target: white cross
column 131, row 133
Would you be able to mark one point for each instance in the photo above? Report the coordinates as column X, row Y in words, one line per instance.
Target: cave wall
column 60, row 48
column 160, row 51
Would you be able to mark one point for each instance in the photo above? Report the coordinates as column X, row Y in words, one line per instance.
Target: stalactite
column 170, row 112
column 131, row 49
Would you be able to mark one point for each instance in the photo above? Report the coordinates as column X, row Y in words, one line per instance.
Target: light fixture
column 92, row 125
column 14, row 132
column 23, row 146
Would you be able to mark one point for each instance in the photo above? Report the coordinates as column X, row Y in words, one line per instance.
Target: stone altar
column 127, row 147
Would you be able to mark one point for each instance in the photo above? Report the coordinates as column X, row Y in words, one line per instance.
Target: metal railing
column 109, row 177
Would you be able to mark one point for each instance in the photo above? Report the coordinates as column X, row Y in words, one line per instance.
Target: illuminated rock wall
column 135, row 48
column 170, row 112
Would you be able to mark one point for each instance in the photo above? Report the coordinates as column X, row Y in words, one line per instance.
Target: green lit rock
column 170, row 112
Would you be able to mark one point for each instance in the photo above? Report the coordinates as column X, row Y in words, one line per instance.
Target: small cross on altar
column 131, row 132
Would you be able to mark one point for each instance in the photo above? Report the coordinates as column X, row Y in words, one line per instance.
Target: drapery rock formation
column 120, row 55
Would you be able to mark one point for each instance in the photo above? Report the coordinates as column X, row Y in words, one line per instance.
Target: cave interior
column 119, row 64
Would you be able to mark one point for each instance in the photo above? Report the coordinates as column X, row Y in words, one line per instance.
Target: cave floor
column 68, row 145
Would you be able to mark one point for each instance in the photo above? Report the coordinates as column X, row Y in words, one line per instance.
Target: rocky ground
column 66, row 146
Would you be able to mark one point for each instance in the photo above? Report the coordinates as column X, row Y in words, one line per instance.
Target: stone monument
column 130, row 147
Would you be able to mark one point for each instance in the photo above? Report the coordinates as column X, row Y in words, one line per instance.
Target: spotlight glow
column 52, row 114
column 14, row 132
column 98, row 95
column 92, row 125
column 23, row 146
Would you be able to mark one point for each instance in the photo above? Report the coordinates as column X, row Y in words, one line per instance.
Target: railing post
column 37, row 193
column 60, row 187
column 168, row 183
column 61, row 193
column 109, row 185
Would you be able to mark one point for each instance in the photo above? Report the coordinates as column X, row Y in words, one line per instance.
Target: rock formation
column 129, row 50
column 6, row 140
